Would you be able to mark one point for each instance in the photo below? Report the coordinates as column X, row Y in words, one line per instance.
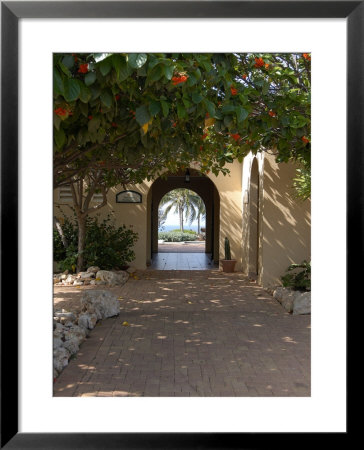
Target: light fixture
column 187, row 176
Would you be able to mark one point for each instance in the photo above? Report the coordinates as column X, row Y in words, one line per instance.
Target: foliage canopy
column 132, row 115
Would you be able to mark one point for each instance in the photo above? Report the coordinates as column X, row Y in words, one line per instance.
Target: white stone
column 60, row 358
column 65, row 316
column 103, row 303
column 78, row 283
column 93, row 282
column 63, row 276
column 85, row 275
column 87, row 320
column 75, row 332
column 57, row 342
column 295, row 302
column 112, row 278
column 302, row 303
column 72, row 345
column 70, row 278
column 93, row 269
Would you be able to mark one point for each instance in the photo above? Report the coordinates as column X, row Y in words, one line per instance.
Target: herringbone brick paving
column 193, row 333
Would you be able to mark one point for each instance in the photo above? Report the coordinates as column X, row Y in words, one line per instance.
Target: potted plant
column 228, row 264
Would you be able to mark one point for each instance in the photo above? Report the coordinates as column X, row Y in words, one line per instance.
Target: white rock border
column 295, row 302
column 70, row 329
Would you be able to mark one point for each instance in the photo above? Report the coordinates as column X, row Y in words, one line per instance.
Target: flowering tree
column 120, row 110
column 121, row 118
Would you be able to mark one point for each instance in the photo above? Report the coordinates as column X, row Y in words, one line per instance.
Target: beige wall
column 284, row 233
column 138, row 216
column 282, row 236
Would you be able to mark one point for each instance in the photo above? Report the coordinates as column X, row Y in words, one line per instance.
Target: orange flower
column 174, row 124
column 307, row 56
column 259, row 62
column 233, row 91
column 117, row 97
column 179, row 79
column 90, row 117
column 207, row 115
column 201, row 147
column 113, row 124
column 236, row 137
column 272, row 113
column 244, row 76
column 266, row 66
column 83, row 68
column 305, row 140
column 204, row 136
column 60, row 112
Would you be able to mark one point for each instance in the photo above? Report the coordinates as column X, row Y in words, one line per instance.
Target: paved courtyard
column 191, row 333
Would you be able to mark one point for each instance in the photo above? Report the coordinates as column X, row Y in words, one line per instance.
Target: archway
column 198, row 183
column 181, row 214
column 254, row 220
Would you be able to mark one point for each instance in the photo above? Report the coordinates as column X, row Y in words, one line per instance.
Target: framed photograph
column 31, row 32
column 129, row 197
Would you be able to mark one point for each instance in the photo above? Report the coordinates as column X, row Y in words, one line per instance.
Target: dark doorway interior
column 205, row 188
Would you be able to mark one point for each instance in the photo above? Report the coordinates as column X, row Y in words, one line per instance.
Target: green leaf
column 84, row 108
column 94, row 124
column 68, row 61
column 64, row 69
column 59, row 137
column 56, row 121
column 106, row 99
column 85, row 94
column 105, row 66
column 156, row 73
column 168, row 71
column 210, row 107
column 228, row 108
column 57, row 83
column 154, row 108
column 165, row 108
column 196, row 97
column 72, row 90
column 191, row 81
column 142, row 115
column 228, row 120
column 90, row 78
column 241, row 113
column 137, row 60
column 181, row 111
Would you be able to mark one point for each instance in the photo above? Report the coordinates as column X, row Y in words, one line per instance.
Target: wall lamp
column 187, row 176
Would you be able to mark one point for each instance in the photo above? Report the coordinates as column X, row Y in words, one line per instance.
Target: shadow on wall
column 286, row 222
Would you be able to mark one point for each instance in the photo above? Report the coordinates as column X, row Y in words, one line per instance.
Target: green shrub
column 298, row 281
column 184, row 231
column 106, row 246
column 176, row 236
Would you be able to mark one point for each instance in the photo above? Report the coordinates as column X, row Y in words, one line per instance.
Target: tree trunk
column 81, row 240
column 198, row 224
column 58, row 227
column 181, row 219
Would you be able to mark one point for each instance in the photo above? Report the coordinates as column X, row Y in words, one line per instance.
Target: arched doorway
column 198, row 183
column 181, row 214
column 254, row 220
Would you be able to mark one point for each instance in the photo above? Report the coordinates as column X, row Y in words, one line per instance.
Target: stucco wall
column 138, row 216
column 284, row 223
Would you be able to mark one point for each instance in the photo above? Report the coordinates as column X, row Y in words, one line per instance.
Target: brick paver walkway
column 193, row 333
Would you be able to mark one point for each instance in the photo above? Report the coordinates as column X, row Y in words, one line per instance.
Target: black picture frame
column 11, row 12
column 139, row 195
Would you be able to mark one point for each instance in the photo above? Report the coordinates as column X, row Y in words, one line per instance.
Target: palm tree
column 183, row 201
column 197, row 210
